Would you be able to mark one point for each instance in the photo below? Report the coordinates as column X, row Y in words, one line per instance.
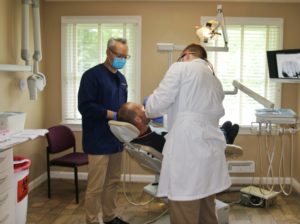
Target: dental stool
column 151, row 159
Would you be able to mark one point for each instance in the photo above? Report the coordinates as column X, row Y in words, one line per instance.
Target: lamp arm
column 37, row 56
column 253, row 95
column 231, row 92
column 25, row 31
column 220, row 18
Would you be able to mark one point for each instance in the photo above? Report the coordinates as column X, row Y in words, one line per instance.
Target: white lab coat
column 194, row 164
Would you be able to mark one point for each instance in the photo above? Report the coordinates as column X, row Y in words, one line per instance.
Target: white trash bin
column 21, row 170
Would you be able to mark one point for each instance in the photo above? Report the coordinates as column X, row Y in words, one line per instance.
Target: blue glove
column 159, row 120
column 115, row 116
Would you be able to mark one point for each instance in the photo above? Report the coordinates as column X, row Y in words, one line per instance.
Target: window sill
column 245, row 130
column 73, row 125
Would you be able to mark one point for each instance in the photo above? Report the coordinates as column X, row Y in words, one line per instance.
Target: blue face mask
column 118, row 63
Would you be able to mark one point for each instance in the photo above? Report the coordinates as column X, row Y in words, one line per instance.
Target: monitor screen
column 284, row 65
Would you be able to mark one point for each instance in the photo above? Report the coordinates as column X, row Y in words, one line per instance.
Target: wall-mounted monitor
column 284, row 65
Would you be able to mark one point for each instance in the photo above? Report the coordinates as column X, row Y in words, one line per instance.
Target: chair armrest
column 233, row 150
column 150, row 150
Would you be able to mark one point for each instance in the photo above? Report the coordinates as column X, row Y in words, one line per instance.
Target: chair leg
column 76, row 185
column 48, row 179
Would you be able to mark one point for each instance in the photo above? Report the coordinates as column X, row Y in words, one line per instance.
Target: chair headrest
column 123, row 131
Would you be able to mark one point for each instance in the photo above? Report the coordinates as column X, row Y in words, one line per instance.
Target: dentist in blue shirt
column 102, row 91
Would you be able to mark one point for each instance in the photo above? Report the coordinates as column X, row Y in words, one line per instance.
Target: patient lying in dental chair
column 134, row 114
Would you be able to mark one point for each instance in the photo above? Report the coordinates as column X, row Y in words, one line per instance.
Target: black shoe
column 226, row 128
column 233, row 133
column 116, row 220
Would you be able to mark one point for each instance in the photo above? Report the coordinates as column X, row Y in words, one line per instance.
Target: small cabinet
column 7, row 194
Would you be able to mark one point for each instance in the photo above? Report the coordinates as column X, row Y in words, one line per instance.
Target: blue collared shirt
column 100, row 90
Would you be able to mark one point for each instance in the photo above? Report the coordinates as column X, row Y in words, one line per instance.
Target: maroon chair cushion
column 71, row 160
column 60, row 138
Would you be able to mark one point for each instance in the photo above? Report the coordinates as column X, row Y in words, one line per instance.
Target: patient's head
column 134, row 114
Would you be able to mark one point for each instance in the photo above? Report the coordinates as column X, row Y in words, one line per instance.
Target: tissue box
column 11, row 123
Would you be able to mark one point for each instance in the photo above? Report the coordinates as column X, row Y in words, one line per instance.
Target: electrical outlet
column 241, row 166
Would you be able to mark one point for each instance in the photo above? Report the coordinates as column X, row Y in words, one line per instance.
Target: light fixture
column 205, row 33
column 209, row 31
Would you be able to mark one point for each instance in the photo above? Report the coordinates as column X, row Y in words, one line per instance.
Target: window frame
column 76, row 125
column 246, row 129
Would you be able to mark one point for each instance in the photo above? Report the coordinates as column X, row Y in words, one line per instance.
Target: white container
column 21, row 170
column 11, row 123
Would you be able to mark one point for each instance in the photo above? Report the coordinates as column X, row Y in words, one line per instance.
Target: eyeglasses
column 180, row 57
column 183, row 55
column 120, row 55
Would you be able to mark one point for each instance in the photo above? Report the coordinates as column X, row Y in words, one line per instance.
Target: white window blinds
column 84, row 43
column 249, row 39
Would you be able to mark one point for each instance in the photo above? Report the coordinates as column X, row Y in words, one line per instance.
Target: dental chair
column 151, row 159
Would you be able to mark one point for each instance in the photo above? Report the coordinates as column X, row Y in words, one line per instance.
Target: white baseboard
column 68, row 175
column 258, row 180
column 37, row 181
column 83, row 176
column 151, row 178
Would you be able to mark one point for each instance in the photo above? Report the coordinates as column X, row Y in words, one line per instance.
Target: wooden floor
column 62, row 209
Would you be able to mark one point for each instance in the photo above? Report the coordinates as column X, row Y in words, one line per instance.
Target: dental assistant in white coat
column 194, row 167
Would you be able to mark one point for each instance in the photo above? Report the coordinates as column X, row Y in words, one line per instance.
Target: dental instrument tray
column 276, row 116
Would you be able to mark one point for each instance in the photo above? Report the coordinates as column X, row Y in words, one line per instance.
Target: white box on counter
column 11, row 123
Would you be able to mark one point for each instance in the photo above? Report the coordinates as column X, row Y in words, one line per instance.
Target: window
column 246, row 61
column 84, row 42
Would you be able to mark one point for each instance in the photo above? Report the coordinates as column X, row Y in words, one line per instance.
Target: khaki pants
column 201, row 211
column 104, row 173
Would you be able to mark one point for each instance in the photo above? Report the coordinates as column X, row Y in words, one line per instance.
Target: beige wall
column 12, row 99
column 164, row 22
column 161, row 22
column 297, row 152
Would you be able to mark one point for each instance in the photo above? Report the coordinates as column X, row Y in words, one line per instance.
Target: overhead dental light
column 210, row 31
